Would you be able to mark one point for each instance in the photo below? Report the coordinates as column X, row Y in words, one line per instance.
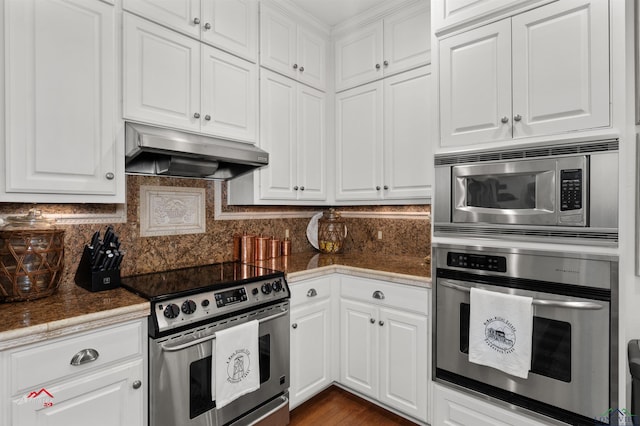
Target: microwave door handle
column 174, row 348
column 536, row 302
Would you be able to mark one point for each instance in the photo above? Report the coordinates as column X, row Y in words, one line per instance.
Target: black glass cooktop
column 160, row 285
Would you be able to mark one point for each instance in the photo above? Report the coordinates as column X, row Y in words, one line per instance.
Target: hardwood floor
column 335, row 406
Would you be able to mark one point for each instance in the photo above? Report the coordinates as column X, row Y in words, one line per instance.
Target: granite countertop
column 400, row 269
column 70, row 310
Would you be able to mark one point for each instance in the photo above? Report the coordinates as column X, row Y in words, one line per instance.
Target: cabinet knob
column 378, row 295
column 386, row 63
column 301, row 69
column 84, row 356
column 196, row 21
column 294, row 325
column 109, row 176
column 207, row 117
column 196, row 115
column 302, row 188
column 372, row 320
column 295, row 66
column 517, row 117
column 381, row 323
column 385, row 187
column 377, row 188
column 207, row 26
column 137, row 384
column 377, row 66
column 505, row 119
column 312, row 293
column 295, row 188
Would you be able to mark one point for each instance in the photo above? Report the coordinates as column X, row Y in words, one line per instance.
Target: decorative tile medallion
column 171, row 210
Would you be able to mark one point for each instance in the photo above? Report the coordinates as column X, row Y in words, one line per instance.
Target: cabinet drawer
column 49, row 361
column 310, row 290
column 396, row 295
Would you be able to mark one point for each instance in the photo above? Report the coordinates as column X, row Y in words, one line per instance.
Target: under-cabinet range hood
column 154, row 150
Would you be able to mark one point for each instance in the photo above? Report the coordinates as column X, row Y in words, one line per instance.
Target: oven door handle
column 537, row 302
column 173, row 348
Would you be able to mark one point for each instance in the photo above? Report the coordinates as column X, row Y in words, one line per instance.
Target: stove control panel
column 477, row 261
column 180, row 311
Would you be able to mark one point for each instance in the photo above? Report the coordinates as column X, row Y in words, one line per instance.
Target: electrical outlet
column 379, row 234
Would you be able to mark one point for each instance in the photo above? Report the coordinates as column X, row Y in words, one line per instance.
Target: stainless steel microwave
column 567, row 191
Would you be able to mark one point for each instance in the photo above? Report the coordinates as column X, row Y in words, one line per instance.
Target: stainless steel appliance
column 573, row 375
column 188, row 306
column 564, row 191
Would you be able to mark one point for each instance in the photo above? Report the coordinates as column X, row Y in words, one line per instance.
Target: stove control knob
column 189, row 306
column 277, row 285
column 266, row 288
column 255, row 291
column 171, row 311
column 205, row 303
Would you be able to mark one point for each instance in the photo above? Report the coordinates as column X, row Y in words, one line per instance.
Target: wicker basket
column 31, row 263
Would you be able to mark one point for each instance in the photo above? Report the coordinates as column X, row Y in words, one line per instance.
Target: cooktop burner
column 191, row 296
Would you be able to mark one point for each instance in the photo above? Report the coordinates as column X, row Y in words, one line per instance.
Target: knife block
column 95, row 280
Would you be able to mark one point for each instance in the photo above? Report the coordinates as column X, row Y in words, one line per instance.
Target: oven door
column 180, row 368
column 570, row 352
column 525, row 192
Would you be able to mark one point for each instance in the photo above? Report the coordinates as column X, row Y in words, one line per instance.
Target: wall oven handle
column 537, row 302
column 172, row 348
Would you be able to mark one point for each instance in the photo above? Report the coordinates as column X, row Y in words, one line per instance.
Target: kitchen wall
column 406, row 236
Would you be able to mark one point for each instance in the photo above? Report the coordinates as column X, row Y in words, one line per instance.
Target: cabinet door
column 358, row 56
column 404, row 361
column 408, row 134
column 161, row 75
column 180, row 15
column 278, row 135
column 229, row 96
column 561, row 68
column 475, row 85
column 107, row 397
column 311, row 144
column 448, row 13
column 310, row 350
column 407, row 39
column 61, row 98
column 359, row 347
column 231, row 25
column 312, row 58
column 359, row 143
column 278, row 44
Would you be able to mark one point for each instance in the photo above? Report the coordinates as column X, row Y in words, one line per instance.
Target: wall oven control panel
column 477, row 261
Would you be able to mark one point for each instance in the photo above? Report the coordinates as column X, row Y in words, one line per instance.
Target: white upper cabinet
column 173, row 80
column 291, row 48
column 542, row 72
column 231, row 25
column 398, row 42
column 60, row 142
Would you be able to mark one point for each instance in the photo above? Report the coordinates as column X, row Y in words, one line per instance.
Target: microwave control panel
column 477, row 261
column 570, row 189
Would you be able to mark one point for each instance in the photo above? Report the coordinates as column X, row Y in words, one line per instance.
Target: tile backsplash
column 407, row 236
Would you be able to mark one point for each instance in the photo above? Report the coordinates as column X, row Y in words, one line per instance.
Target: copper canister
column 237, row 247
column 247, row 248
column 286, row 247
column 262, row 248
column 274, row 247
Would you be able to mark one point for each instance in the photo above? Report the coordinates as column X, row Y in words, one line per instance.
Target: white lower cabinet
column 454, row 408
column 312, row 339
column 384, row 343
column 107, row 383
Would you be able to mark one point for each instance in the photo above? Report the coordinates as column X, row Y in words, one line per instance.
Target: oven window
column 200, row 378
column 517, row 191
column 551, row 345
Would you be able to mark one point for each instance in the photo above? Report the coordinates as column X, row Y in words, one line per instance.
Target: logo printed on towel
column 500, row 335
column 238, row 365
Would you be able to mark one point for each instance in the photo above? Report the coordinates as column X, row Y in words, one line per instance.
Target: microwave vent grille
column 558, row 235
column 523, row 153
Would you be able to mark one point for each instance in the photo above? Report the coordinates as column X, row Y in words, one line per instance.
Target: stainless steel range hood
column 154, row 150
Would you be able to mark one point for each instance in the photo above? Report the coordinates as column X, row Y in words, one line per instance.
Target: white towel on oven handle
column 236, row 363
column 501, row 331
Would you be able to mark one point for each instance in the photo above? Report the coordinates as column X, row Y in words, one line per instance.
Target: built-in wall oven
column 188, row 307
column 565, row 191
column 573, row 374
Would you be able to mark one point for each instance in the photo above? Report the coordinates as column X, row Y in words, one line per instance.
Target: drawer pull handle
column 137, row 384
column 312, row 293
column 85, row 356
column 378, row 295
